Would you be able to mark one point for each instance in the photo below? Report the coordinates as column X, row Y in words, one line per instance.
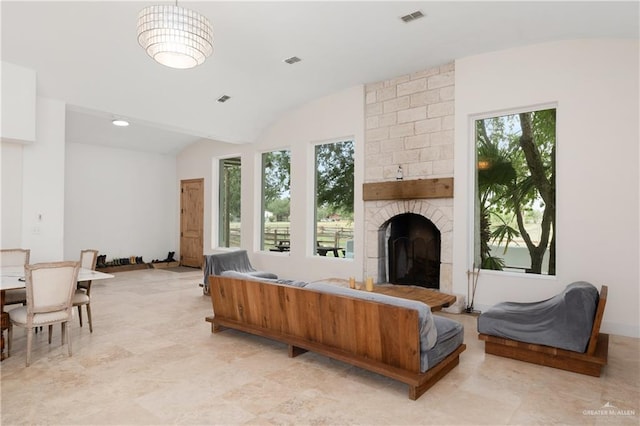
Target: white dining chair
column 50, row 288
column 14, row 258
column 82, row 295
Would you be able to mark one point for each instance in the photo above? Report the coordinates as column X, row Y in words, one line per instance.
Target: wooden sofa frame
column 590, row 362
column 375, row 336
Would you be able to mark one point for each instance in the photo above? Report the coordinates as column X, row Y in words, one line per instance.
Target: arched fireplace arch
column 377, row 213
column 412, row 249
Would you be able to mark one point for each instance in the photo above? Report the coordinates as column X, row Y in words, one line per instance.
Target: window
column 516, row 192
column 276, row 200
column 334, row 199
column 229, row 203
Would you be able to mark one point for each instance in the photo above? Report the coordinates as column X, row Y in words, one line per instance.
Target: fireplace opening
column 413, row 251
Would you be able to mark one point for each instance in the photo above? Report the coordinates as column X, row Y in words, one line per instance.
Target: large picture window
column 515, row 226
column 334, row 199
column 229, row 202
column 276, row 201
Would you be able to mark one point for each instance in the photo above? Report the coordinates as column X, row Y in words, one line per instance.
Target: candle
column 369, row 284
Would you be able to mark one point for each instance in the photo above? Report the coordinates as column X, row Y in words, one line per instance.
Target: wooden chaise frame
column 590, row 362
column 375, row 336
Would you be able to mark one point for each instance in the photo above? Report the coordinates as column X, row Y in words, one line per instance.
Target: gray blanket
column 563, row 321
column 237, row 260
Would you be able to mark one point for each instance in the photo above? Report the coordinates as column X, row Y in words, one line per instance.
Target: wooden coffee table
column 434, row 298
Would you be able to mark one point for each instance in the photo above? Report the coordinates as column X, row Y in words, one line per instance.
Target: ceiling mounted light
column 120, row 122
column 175, row 36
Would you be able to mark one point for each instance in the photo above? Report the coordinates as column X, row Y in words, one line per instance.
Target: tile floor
column 152, row 360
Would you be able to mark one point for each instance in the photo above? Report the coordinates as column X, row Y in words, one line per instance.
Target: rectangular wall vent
column 224, row 98
column 292, row 60
column 412, row 16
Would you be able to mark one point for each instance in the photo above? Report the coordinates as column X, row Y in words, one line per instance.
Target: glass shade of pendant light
column 120, row 122
column 175, row 36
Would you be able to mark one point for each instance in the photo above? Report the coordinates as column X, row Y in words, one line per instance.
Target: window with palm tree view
column 276, row 200
column 334, row 199
column 229, row 203
column 516, row 192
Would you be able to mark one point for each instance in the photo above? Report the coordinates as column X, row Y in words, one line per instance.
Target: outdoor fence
column 326, row 235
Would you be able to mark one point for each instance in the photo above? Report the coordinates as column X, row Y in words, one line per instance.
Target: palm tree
column 516, row 170
column 495, row 174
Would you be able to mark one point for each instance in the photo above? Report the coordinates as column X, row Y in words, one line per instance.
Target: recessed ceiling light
column 292, row 60
column 412, row 16
column 224, row 98
column 120, row 122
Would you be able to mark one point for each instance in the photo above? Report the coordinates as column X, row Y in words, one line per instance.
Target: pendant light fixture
column 175, row 36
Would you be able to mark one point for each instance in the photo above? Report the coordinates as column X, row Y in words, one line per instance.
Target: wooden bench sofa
column 589, row 362
column 375, row 336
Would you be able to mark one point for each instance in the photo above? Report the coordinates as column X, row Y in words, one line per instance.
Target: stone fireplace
column 409, row 124
column 433, row 257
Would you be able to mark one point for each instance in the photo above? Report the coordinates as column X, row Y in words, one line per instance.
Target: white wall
column 595, row 86
column 18, row 117
column 11, row 198
column 199, row 160
column 340, row 115
column 43, row 184
column 120, row 202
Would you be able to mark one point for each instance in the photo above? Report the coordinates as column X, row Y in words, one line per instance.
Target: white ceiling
column 86, row 54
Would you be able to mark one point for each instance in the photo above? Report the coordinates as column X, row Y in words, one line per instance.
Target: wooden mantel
column 408, row 189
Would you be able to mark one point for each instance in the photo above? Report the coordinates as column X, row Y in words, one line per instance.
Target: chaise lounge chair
column 561, row 332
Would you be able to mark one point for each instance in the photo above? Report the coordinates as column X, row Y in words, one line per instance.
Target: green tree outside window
column 516, row 192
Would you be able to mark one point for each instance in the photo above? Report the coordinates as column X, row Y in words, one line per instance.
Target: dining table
column 13, row 277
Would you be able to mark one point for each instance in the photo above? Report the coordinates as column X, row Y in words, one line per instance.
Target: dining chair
column 14, row 258
column 82, row 295
column 50, row 288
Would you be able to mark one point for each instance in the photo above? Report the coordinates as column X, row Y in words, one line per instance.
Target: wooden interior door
column 191, row 222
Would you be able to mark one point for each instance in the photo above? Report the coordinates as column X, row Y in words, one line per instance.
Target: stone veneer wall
column 409, row 123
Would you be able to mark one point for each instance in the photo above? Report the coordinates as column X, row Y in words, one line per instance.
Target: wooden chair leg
column 10, row 338
column 80, row 314
column 68, row 334
column 29, row 343
column 89, row 317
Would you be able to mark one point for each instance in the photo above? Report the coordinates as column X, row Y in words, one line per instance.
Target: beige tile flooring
column 152, row 360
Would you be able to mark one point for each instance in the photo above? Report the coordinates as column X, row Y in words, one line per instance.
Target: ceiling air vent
column 224, row 98
column 292, row 60
column 412, row 16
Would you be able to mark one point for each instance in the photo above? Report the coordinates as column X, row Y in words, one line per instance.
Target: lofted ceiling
column 86, row 54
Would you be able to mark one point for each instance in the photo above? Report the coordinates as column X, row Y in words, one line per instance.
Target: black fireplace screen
column 414, row 251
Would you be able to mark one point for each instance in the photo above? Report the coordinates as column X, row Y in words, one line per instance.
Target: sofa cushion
column 428, row 332
column 450, row 336
column 263, row 274
column 253, row 277
column 242, row 276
